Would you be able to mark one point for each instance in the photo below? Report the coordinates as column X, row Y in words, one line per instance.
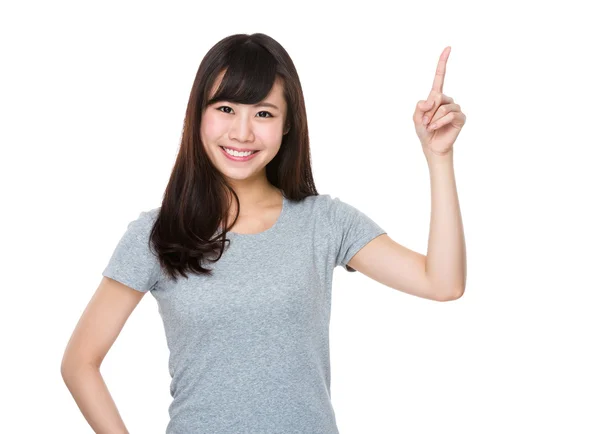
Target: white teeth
column 236, row 153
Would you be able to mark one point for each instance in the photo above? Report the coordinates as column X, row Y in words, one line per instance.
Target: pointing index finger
column 440, row 73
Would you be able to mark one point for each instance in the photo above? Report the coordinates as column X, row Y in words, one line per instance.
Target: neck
column 254, row 194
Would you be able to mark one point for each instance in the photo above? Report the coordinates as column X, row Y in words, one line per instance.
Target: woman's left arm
column 442, row 273
column 446, row 264
column 438, row 121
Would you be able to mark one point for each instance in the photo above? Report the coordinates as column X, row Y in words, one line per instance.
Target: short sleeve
column 352, row 230
column 132, row 262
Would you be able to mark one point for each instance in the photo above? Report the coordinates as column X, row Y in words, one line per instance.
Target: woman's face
column 259, row 128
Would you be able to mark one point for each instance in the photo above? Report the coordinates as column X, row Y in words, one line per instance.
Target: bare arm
column 94, row 400
column 96, row 331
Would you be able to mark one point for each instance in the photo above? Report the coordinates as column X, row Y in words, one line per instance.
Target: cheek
column 212, row 127
column 270, row 135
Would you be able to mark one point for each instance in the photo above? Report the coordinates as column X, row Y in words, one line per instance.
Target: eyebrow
column 266, row 104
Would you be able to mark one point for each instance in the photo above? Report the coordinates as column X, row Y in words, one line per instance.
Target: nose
column 241, row 130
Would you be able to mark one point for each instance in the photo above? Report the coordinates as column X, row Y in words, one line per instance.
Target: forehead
column 275, row 94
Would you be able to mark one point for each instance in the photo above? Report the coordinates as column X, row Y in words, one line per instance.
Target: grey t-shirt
column 249, row 346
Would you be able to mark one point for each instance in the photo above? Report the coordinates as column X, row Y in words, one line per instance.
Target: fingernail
column 425, row 120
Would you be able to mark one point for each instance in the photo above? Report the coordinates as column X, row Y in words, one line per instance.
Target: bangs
column 249, row 76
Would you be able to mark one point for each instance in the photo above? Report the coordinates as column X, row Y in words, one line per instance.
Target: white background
column 93, row 97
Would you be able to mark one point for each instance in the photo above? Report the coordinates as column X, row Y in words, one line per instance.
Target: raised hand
column 438, row 120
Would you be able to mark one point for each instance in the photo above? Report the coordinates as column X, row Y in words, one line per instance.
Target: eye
column 227, row 107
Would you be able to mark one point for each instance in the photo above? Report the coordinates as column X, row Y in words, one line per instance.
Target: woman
column 240, row 258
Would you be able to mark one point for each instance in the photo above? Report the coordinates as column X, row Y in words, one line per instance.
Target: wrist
column 437, row 159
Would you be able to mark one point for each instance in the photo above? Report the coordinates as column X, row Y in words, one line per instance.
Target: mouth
column 243, row 156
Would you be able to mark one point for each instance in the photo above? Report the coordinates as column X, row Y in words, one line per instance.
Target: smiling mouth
column 225, row 149
column 239, row 158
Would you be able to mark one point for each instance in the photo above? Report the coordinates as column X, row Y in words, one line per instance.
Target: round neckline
column 274, row 226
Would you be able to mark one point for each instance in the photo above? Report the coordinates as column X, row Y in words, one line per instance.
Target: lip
column 239, row 159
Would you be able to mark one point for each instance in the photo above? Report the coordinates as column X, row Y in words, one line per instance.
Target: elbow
column 67, row 370
column 451, row 295
column 71, row 368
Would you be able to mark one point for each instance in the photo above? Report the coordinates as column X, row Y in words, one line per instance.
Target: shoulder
column 150, row 214
column 311, row 204
column 332, row 206
column 133, row 262
column 331, row 211
column 328, row 205
column 146, row 218
column 321, row 202
column 139, row 228
column 319, row 206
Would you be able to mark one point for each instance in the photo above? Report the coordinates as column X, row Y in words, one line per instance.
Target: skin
column 438, row 120
column 245, row 126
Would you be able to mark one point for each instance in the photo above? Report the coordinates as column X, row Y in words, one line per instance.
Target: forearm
column 93, row 399
column 446, row 251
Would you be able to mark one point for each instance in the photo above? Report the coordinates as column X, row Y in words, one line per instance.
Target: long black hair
column 187, row 229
